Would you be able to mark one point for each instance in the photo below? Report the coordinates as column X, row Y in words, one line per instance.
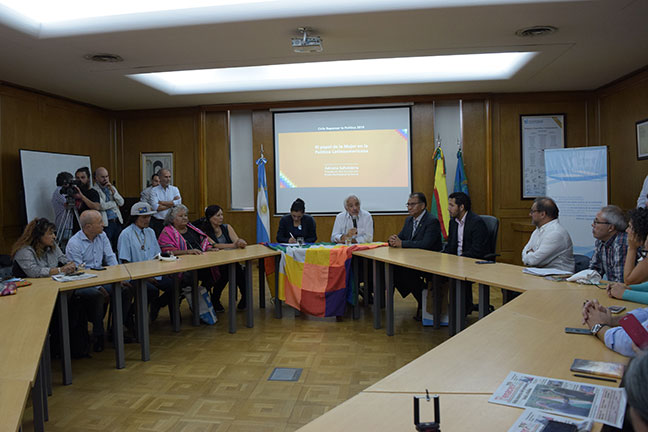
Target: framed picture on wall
column 154, row 162
column 538, row 133
column 642, row 139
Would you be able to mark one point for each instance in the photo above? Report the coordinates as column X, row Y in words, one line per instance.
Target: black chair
column 581, row 262
column 492, row 225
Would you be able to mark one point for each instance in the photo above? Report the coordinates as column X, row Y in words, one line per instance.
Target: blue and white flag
column 461, row 182
column 263, row 214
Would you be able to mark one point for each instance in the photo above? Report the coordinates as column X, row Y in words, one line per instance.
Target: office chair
column 581, row 262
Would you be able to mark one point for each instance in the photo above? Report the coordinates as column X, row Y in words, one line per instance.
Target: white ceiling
column 598, row 41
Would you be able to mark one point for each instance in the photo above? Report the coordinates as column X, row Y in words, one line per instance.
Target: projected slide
column 324, row 156
column 368, row 158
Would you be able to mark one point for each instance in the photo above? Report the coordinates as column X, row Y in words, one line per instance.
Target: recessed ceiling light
column 536, row 31
column 104, row 58
column 403, row 70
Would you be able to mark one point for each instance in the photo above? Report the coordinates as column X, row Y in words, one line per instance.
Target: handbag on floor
column 205, row 307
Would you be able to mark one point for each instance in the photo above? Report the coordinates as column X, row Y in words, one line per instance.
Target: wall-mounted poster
column 154, row 162
column 538, row 133
column 642, row 139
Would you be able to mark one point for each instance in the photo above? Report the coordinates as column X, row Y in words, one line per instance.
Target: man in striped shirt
column 608, row 228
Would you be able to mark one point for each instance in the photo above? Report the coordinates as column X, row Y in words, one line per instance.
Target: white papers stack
column 66, row 278
column 536, row 271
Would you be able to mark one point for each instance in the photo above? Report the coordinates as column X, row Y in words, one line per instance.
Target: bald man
column 110, row 201
column 163, row 197
column 91, row 247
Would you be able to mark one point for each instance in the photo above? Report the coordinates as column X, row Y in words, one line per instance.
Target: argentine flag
column 263, row 214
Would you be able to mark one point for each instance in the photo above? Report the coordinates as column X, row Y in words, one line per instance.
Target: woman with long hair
column 36, row 253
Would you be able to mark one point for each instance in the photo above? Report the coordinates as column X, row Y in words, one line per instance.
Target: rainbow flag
column 440, row 198
column 317, row 279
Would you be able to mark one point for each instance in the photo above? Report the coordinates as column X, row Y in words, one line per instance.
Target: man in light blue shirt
column 606, row 327
column 91, row 247
column 137, row 242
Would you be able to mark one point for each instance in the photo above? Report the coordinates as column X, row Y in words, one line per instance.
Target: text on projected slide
column 363, row 158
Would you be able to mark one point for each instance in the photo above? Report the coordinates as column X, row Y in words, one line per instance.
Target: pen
column 595, row 377
column 292, row 236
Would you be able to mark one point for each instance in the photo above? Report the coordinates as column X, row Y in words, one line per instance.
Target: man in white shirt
column 164, row 197
column 353, row 225
column 550, row 245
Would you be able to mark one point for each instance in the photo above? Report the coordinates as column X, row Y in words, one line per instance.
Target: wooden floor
column 205, row 379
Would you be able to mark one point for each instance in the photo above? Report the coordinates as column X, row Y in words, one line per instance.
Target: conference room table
column 461, row 271
column 394, row 412
column 24, row 355
column 450, row 266
column 526, row 335
column 13, row 398
column 139, row 271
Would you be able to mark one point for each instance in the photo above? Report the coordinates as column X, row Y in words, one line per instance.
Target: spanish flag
column 440, row 198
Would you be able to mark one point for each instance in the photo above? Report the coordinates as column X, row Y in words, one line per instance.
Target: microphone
column 355, row 222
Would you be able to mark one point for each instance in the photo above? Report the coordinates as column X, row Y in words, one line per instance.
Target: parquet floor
column 205, row 379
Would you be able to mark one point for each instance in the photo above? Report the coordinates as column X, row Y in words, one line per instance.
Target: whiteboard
column 39, row 170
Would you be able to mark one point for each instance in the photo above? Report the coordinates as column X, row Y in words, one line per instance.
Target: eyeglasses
column 412, row 204
column 597, row 222
column 534, row 211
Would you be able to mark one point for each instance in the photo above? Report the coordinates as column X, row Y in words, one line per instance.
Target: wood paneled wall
column 508, row 204
column 620, row 106
column 162, row 131
column 198, row 137
column 32, row 121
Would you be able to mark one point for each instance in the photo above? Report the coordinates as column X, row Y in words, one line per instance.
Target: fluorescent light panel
column 404, row 70
column 49, row 11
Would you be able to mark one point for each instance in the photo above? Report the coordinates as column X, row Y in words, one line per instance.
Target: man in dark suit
column 421, row 231
column 468, row 237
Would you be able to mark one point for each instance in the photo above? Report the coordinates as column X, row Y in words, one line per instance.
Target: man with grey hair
column 608, row 228
column 353, row 225
column 163, row 197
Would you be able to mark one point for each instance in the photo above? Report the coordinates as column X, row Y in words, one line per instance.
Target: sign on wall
column 538, row 133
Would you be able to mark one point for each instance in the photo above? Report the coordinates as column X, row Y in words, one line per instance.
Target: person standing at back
column 164, row 197
column 110, row 201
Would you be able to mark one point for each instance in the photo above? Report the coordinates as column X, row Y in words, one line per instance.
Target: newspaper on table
column 69, row 278
column 574, row 399
column 533, row 420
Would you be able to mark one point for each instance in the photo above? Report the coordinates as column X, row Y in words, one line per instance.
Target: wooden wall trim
column 489, row 157
column 201, row 154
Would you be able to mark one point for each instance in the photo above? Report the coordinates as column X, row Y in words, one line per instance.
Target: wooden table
column 111, row 275
column 478, row 359
column 13, row 398
column 24, row 356
column 394, row 412
column 230, row 257
column 436, row 263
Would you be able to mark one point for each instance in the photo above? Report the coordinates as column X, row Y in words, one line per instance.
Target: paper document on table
column 533, row 420
column 574, row 399
column 69, row 278
column 536, row 271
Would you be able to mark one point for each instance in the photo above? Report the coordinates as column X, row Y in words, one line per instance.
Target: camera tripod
column 66, row 229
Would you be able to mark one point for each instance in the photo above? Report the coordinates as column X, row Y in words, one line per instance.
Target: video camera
column 69, row 187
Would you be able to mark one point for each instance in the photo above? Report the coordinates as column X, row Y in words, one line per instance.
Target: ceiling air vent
column 103, row 58
column 536, row 31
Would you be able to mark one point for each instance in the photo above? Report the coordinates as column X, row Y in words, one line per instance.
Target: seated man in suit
column 421, row 231
column 467, row 237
